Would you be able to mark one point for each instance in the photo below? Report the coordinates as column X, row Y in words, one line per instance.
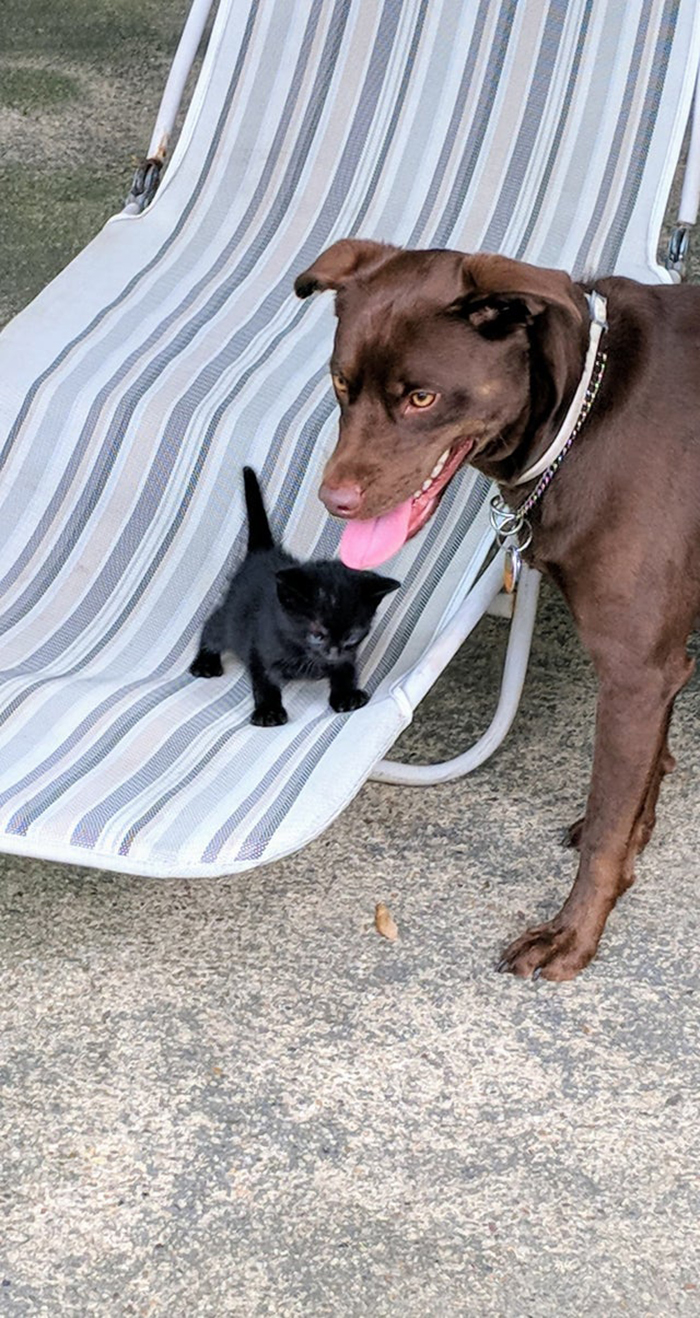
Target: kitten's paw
column 343, row 702
column 206, row 664
column 269, row 716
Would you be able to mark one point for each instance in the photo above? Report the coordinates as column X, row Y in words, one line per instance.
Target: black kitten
column 287, row 619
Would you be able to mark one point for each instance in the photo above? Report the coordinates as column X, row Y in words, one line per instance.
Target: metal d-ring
column 514, row 534
column 525, row 526
column 509, row 524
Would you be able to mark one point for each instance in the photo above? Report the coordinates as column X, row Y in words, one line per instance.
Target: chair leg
column 514, row 669
column 690, row 197
column 147, row 177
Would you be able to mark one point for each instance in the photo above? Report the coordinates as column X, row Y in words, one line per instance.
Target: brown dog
column 442, row 358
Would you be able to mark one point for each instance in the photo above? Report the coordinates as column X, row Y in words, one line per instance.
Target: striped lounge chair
column 172, row 350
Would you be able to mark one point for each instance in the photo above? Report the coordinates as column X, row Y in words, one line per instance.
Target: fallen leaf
column 383, row 922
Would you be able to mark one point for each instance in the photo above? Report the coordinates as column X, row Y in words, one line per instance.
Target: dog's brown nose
column 343, row 501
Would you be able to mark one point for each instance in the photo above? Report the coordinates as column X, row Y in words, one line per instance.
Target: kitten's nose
column 343, row 500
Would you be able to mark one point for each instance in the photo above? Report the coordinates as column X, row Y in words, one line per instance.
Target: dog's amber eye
column 421, row 398
column 340, row 383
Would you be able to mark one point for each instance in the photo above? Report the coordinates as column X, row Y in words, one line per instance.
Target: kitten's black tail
column 259, row 533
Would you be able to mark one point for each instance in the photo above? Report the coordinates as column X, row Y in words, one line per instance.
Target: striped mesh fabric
column 172, row 350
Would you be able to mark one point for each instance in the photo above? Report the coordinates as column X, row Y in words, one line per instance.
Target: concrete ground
column 232, row 1096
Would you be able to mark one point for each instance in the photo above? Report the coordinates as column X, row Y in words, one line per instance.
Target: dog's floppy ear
column 496, row 287
column 344, row 260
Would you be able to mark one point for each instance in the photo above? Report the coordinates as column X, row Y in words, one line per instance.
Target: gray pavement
column 232, row 1096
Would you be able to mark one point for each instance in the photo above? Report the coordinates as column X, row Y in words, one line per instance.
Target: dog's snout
column 343, row 500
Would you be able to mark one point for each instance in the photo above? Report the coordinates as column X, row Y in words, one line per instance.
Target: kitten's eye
column 421, row 398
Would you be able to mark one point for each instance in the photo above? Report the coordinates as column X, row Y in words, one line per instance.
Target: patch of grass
column 48, row 213
column 45, row 220
column 100, row 30
column 35, row 89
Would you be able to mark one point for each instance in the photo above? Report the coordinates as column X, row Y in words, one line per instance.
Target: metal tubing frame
column 183, row 60
column 690, row 192
column 690, row 195
column 514, row 670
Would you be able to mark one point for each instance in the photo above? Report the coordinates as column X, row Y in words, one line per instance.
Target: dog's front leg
column 634, row 708
column 666, row 763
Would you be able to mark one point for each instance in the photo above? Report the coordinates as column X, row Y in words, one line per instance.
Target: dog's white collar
column 597, row 306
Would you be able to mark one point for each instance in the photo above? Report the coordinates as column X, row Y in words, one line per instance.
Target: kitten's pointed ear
column 295, row 589
column 375, row 587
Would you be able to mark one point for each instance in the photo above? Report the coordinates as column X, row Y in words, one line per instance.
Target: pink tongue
column 367, row 544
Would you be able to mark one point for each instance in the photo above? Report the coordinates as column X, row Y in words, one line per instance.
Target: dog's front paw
column 206, row 664
column 554, row 950
column 343, row 702
column 269, row 716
